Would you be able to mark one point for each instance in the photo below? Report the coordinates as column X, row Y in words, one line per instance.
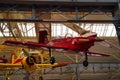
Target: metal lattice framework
column 19, row 19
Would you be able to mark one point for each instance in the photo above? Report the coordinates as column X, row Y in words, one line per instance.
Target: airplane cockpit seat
column 43, row 36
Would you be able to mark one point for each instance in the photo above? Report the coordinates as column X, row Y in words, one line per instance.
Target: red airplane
column 76, row 44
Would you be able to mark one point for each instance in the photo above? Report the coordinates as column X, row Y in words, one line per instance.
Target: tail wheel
column 85, row 63
column 52, row 60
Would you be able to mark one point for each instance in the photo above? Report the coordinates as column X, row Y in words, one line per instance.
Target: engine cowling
column 29, row 63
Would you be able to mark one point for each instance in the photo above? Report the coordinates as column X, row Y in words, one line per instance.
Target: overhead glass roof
column 28, row 30
column 103, row 30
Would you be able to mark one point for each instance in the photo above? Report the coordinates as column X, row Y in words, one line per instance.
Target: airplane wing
column 3, row 65
column 22, row 44
column 59, row 64
column 35, row 45
column 56, row 44
column 32, row 45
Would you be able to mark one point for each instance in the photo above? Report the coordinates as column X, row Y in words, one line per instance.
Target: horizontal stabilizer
column 98, row 54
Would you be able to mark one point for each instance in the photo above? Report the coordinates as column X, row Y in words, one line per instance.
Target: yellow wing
column 2, row 65
column 10, row 65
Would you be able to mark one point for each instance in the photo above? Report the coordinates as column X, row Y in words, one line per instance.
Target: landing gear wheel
column 52, row 60
column 85, row 63
column 40, row 78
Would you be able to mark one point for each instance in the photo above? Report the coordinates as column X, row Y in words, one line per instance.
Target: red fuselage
column 72, row 43
column 76, row 43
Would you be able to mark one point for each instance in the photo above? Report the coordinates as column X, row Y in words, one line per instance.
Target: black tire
column 52, row 60
column 40, row 78
column 85, row 63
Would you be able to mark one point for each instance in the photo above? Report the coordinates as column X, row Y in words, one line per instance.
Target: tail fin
column 18, row 60
column 43, row 36
column 13, row 61
column 12, row 58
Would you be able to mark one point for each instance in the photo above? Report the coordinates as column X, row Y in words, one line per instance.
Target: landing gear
column 52, row 60
column 85, row 63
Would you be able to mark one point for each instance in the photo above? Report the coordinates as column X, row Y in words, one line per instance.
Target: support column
column 77, row 72
column 76, row 13
column 116, row 16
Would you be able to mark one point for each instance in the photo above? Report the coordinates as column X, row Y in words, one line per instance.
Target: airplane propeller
column 28, row 61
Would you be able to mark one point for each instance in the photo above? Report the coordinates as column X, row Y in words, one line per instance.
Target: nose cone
column 30, row 60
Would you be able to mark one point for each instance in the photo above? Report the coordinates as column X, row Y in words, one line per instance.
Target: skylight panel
column 103, row 30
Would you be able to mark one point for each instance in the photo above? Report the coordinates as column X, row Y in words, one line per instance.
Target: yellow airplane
column 28, row 63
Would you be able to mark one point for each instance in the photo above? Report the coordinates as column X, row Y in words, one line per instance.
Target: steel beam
column 64, row 6
column 116, row 16
column 53, row 1
column 58, row 21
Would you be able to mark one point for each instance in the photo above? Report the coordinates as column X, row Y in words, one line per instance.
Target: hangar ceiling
column 44, row 13
column 22, row 20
